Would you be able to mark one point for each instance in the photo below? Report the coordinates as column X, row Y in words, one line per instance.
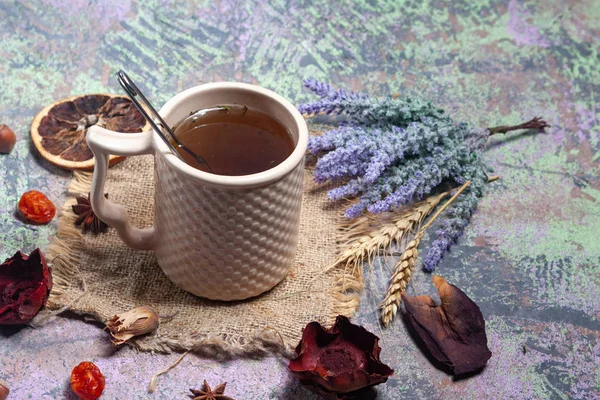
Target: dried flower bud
column 4, row 391
column 7, row 139
column 339, row 362
column 135, row 322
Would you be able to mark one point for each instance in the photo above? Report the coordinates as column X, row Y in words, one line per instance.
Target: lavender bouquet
column 389, row 152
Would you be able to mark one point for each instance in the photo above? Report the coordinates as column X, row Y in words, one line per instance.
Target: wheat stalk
column 405, row 265
column 400, row 279
column 363, row 242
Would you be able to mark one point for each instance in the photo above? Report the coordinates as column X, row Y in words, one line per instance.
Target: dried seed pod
column 135, row 322
column 4, row 391
column 453, row 333
column 339, row 362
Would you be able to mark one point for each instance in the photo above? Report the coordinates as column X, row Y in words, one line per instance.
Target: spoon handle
column 144, row 106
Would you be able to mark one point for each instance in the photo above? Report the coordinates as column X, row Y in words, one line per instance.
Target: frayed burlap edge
column 62, row 255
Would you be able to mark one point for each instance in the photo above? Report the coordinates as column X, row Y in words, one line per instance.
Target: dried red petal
column 453, row 333
column 339, row 360
column 25, row 284
column 36, row 207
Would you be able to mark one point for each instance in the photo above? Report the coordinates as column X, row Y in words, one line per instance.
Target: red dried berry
column 87, row 381
column 36, row 207
column 25, row 284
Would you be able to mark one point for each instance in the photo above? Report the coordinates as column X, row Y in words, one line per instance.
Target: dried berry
column 87, row 381
column 25, row 284
column 338, row 362
column 7, row 139
column 453, row 333
column 36, row 207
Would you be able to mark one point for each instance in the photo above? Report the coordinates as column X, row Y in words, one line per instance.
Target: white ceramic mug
column 219, row 237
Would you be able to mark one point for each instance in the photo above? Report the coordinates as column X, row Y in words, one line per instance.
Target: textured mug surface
column 219, row 237
column 225, row 244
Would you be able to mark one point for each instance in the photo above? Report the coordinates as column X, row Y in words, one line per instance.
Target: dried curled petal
column 25, row 284
column 339, row 361
column 453, row 333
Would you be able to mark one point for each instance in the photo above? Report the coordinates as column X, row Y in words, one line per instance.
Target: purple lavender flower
column 401, row 196
column 331, row 139
column 355, row 210
column 377, row 164
column 362, row 109
column 326, row 91
column 349, row 190
column 389, row 152
column 457, row 218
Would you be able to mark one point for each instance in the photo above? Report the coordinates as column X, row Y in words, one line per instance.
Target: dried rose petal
column 25, row 283
column 454, row 332
column 338, row 361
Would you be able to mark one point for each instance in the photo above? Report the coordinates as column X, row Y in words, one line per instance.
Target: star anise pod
column 83, row 208
column 206, row 393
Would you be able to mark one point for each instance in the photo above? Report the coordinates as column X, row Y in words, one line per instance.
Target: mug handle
column 103, row 142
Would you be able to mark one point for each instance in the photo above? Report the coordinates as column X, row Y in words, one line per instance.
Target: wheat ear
column 405, row 265
column 363, row 243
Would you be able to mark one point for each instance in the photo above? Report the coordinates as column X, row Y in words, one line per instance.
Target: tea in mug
column 234, row 140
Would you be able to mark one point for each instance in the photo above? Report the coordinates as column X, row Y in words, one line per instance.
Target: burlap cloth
column 99, row 276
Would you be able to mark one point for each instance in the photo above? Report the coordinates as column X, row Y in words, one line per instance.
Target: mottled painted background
column 530, row 259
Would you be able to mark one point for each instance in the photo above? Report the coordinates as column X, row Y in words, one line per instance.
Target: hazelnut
column 135, row 322
column 7, row 139
column 3, row 390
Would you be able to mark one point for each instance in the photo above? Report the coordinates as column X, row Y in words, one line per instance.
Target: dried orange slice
column 59, row 130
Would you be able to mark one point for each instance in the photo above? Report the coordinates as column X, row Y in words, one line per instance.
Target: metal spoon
column 136, row 95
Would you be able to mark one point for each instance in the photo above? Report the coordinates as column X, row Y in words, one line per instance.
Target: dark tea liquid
column 234, row 140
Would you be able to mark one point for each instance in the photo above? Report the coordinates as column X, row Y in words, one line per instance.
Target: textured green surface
column 530, row 258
